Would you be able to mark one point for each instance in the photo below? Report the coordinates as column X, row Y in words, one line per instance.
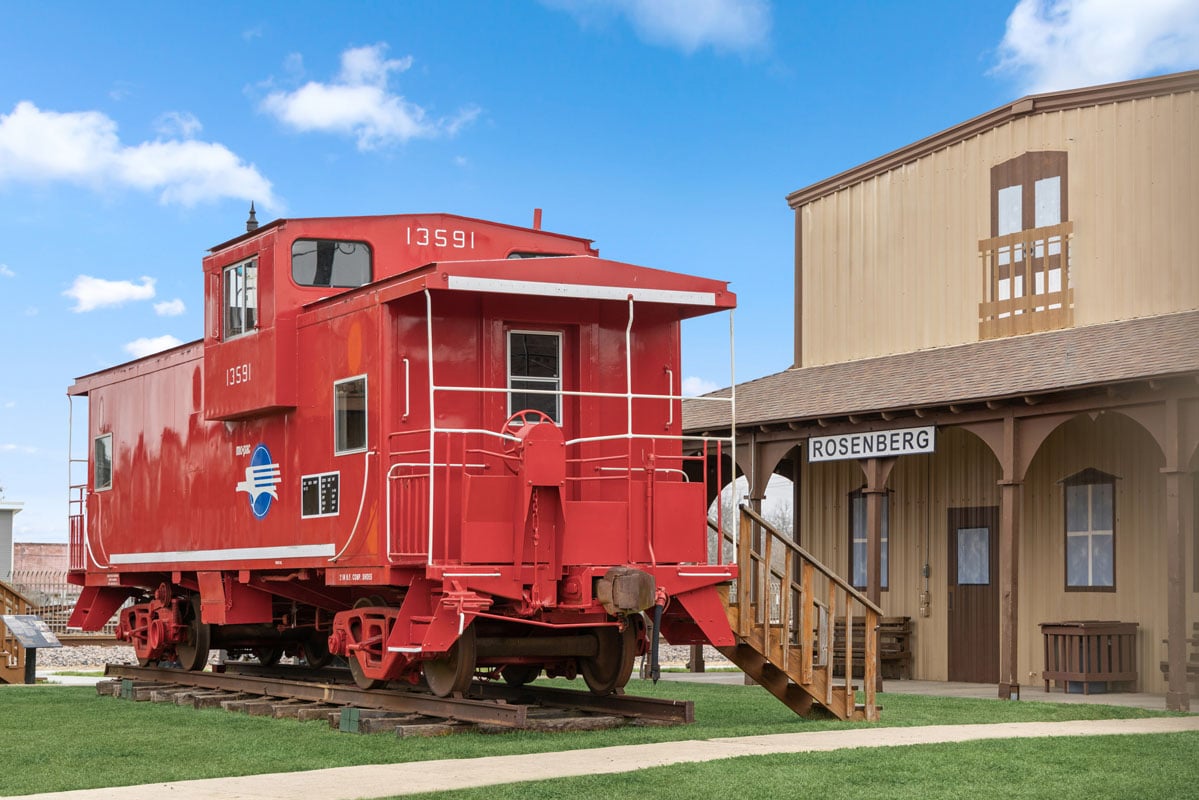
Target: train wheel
column 316, row 650
column 356, row 671
column 359, row 676
column 612, row 665
column 520, row 674
column 454, row 672
column 193, row 653
column 268, row 655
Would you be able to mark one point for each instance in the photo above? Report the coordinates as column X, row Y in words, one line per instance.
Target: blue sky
column 133, row 138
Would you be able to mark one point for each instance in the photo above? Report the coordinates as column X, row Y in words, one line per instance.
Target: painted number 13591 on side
column 237, row 374
column 442, row 237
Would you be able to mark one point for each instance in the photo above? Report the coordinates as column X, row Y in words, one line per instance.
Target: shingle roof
column 1116, row 352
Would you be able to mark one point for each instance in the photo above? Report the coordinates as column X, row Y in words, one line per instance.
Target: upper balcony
column 1026, row 282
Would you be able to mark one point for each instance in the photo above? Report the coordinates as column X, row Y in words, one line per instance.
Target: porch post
column 1011, row 492
column 1010, row 497
column 1177, row 501
column 877, row 471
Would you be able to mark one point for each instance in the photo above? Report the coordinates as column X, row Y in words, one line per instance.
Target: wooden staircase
column 12, row 654
column 782, row 610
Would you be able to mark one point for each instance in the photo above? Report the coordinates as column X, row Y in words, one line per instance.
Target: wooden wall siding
column 964, row 473
column 891, row 264
column 1114, row 444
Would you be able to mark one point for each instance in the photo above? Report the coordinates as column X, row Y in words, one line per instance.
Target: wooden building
column 993, row 414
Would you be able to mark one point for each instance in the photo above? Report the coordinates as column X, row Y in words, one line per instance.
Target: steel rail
column 456, row 708
column 331, row 687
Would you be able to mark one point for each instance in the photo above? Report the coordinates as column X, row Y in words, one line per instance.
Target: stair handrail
column 757, row 570
column 828, row 573
column 12, row 653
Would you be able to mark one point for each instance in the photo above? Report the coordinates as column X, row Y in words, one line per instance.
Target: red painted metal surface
column 228, row 481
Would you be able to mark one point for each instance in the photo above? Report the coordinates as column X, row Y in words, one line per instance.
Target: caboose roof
column 381, row 221
column 191, row 351
column 584, row 277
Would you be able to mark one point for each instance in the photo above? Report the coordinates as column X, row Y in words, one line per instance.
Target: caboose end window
column 102, row 463
column 534, row 367
column 349, row 415
column 240, row 287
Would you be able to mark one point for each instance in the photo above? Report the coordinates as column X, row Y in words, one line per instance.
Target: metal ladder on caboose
column 784, row 621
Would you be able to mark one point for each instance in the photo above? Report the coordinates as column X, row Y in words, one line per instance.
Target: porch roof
column 1142, row 349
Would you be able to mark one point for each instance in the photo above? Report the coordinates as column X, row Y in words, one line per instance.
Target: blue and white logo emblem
column 262, row 476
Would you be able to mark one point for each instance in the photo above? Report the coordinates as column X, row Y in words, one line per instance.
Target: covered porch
column 1060, row 486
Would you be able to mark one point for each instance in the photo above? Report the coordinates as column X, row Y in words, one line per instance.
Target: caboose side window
column 535, row 363
column 102, row 463
column 349, row 415
column 330, row 262
column 241, row 298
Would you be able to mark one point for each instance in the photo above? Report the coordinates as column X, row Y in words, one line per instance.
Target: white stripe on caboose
column 228, row 554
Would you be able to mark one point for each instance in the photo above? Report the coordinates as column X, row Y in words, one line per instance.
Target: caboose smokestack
column 537, row 219
column 252, row 221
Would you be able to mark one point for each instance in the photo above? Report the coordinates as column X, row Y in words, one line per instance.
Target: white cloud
column 140, row 348
column 18, row 448
column 83, row 147
column 358, row 103
column 170, row 308
column 91, row 293
column 694, row 386
column 689, row 25
column 120, row 90
column 11, row 404
column 6, row 272
column 1064, row 44
column 182, row 124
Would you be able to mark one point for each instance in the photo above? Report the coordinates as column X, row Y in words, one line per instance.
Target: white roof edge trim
column 580, row 290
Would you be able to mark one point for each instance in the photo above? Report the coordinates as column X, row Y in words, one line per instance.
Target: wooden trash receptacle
column 1090, row 655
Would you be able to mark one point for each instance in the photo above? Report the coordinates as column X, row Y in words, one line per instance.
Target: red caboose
column 425, row 443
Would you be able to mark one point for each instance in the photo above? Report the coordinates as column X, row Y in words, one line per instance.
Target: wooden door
column 973, row 595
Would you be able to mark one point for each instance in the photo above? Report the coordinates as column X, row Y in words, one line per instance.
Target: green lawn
column 1144, row 767
column 69, row 738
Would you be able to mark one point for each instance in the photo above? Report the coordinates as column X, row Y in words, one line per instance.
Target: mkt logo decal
column 262, row 476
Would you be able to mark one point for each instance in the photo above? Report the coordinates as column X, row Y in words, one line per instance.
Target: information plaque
column 30, row 631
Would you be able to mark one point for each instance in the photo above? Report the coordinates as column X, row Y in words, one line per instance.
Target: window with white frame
column 102, row 463
column 349, row 415
column 1090, row 500
column 535, row 372
column 858, row 541
column 240, row 289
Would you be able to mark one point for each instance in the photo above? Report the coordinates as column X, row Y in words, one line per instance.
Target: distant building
column 39, row 557
column 8, row 510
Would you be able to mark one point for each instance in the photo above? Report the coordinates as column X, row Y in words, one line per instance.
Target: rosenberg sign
column 875, row 444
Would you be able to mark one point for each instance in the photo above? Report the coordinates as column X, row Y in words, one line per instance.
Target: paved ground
column 349, row 783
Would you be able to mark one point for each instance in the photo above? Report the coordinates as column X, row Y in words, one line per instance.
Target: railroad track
column 331, row 694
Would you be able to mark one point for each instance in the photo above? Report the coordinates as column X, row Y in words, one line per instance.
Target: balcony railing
column 1026, row 282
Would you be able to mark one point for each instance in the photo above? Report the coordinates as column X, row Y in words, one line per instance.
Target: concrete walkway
column 386, row 780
